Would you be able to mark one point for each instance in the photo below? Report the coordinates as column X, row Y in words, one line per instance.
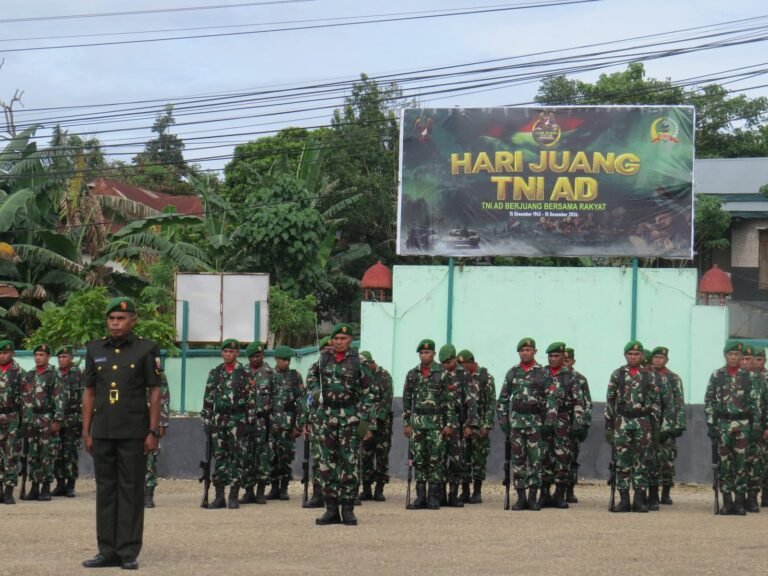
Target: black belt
column 634, row 413
column 8, row 410
column 339, row 404
column 42, row 410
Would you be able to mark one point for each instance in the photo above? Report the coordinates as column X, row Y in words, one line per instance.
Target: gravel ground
column 281, row 538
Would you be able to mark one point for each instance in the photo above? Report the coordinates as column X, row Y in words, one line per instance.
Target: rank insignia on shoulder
column 100, row 359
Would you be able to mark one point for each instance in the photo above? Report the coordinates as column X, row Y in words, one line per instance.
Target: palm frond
column 40, row 256
column 12, row 204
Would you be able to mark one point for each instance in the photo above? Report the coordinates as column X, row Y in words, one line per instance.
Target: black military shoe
column 260, row 496
column 248, row 496
column 421, row 497
column 522, row 503
column 465, row 494
column 283, row 495
column 33, row 494
column 70, row 491
column 764, row 497
column 316, row 501
column 8, row 495
column 45, row 492
column 433, row 497
column 545, row 498
column 727, row 507
column 218, row 501
column 624, row 505
column 101, row 561
column 533, row 503
column 665, row 499
column 738, row 505
column 366, row 493
column 60, row 489
column 453, row 497
column 653, row 498
column 558, row 500
column 149, row 497
column 274, row 491
column 443, row 494
column 378, row 493
column 477, row 493
column 331, row 515
column 232, row 501
column 751, row 504
column 639, row 503
column 570, row 497
column 129, row 563
column 348, row 517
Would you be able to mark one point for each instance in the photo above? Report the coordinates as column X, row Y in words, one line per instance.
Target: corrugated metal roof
column 157, row 200
column 730, row 175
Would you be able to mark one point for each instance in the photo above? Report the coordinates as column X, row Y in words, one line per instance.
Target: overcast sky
column 165, row 71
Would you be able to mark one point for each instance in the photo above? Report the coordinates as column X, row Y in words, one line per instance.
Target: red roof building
column 190, row 205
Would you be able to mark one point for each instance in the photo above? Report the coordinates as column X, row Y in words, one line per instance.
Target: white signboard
column 223, row 306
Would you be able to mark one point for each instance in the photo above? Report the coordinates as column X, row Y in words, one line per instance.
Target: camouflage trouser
column 283, row 453
column 456, row 463
column 259, row 450
column 428, row 448
column 573, row 476
column 150, row 474
column 556, row 457
column 65, row 465
column 661, row 469
column 477, row 450
column 339, row 459
column 732, row 449
column 754, row 466
column 764, row 464
column 228, row 448
column 632, row 440
column 41, row 451
column 9, row 453
column 315, row 449
column 526, row 448
column 376, row 453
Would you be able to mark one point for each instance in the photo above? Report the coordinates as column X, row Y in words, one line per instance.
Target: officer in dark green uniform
column 119, row 429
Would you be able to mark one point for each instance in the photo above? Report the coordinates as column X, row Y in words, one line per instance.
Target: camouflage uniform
column 42, row 405
column 71, row 433
column 661, row 432
column 10, row 409
column 479, row 447
column 258, row 442
column 150, row 475
column 673, row 426
column 463, row 389
column 289, row 393
column 376, row 451
column 580, row 434
column 308, row 418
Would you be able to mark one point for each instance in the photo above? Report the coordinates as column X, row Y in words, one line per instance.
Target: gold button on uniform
column 114, row 367
column 114, row 384
column 117, row 350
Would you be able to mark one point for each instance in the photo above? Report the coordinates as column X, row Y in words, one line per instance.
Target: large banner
column 555, row 181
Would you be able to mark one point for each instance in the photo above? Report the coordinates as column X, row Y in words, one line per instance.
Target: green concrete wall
column 589, row 308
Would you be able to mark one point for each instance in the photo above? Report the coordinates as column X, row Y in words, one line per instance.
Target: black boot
column 433, row 496
column 522, row 503
column 274, row 491
column 453, row 496
column 232, row 502
column 8, row 495
column 653, row 498
column 727, row 507
column 752, row 505
column 366, row 493
column 421, row 496
column 477, row 493
column 443, row 494
column 665, row 499
column 45, row 492
column 570, row 497
column 545, row 498
column 33, row 494
column 533, row 503
column 738, row 505
column 260, row 497
column 348, row 517
column 331, row 515
column 465, row 494
column 284, row 489
column 218, row 500
column 149, row 497
column 623, row 505
column 764, row 497
column 639, row 503
column 60, row 489
column 558, row 501
column 248, row 496
column 70, row 491
column 378, row 493
column 316, row 501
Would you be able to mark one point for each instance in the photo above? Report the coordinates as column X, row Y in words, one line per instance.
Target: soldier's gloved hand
column 609, row 436
column 711, row 432
column 581, row 433
column 362, row 429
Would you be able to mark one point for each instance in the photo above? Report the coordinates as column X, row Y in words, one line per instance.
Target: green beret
column 230, row 344
column 647, row 354
column 526, row 342
column 748, row 350
column 284, row 352
column 760, row 352
column 466, row 356
column 6, row 346
column 426, row 344
column 556, row 348
column 341, row 328
column 660, row 351
column 65, row 350
column 633, row 345
column 367, row 355
column 42, row 348
column 121, row 304
column 733, row 346
column 570, row 353
column 324, row 342
column 255, row 348
column 447, row 352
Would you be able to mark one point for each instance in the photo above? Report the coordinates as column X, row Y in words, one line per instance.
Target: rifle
column 507, row 470
column 24, row 462
column 205, row 477
column 612, row 477
column 305, row 467
column 716, row 476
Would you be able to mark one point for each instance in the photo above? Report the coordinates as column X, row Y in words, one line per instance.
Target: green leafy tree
column 292, row 320
column 711, row 225
column 161, row 165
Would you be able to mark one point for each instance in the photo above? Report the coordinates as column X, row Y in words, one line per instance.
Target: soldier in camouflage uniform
column 150, row 476
column 579, row 434
column 521, row 409
column 758, row 368
column 755, row 448
column 43, row 413
column 463, row 389
column 10, row 409
column 228, row 411
column 340, row 384
column 71, row 383
column 260, row 435
column 429, row 417
column 672, row 428
column 732, row 407
column 376, row 451
column 661, row 432
column 565, row 419
column 289, row 391
column 632, row 419
column 479, row 446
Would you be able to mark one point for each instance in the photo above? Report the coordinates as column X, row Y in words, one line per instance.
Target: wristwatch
column 155, row 432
